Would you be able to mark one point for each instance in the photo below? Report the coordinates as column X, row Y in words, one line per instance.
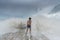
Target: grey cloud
column 23, row 7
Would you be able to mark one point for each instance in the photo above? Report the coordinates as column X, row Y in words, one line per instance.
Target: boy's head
column 29, row 18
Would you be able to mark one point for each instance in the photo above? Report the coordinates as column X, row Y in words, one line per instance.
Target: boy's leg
column 30, row 31
column 26, row 30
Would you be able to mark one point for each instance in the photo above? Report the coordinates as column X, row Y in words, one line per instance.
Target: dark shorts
column 28, row 26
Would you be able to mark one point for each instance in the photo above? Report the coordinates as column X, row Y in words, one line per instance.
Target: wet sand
column 20, row 35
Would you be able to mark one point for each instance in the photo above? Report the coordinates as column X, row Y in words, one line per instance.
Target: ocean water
column 44, row 25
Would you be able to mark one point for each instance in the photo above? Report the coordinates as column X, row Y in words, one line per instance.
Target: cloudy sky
column 23, row 8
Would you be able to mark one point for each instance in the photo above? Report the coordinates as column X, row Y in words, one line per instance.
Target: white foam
column 10, row 25
column 48, row 26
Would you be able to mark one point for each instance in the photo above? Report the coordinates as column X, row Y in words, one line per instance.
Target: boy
column 29, row 25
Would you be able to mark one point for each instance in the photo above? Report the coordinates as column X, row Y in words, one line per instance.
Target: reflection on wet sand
column 43, row 37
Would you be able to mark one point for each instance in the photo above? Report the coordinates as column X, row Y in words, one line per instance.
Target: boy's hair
column 29, row 17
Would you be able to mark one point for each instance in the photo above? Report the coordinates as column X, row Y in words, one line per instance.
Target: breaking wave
column 42, row 24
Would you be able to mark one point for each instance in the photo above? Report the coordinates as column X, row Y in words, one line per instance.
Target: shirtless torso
column 29, row 24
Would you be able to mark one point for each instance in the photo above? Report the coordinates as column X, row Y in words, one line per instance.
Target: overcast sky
column 22, row 8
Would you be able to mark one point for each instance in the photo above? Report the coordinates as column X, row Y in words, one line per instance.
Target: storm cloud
column 22, row 8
